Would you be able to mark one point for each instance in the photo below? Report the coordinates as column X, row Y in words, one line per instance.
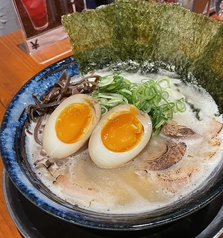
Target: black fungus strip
column 61, row 90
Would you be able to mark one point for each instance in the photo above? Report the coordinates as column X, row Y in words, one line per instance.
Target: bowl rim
column 83, row 218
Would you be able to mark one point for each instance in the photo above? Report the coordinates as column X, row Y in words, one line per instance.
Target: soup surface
column 140, row 185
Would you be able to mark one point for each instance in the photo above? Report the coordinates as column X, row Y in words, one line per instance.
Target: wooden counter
column 16, row 67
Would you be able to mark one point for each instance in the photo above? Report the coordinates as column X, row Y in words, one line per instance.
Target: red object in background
column 37, row 12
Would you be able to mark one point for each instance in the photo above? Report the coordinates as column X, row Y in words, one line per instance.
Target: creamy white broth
column 130, row 188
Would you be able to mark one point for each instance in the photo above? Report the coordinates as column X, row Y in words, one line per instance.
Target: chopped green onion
column 180, row 105
column 150, row 96
column 106, row 80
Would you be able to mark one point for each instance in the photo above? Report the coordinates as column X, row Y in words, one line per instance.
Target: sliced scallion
column 150, row 96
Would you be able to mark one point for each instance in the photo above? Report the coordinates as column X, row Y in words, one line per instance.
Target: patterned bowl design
column 21, row 174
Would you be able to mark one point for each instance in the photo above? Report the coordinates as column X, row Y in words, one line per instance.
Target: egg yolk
column 122, row 131
column 73, row 122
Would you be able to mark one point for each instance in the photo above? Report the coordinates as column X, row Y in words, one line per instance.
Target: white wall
column 8, row 21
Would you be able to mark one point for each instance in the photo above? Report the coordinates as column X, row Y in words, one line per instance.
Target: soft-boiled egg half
column 121, row 134
column 70, row 125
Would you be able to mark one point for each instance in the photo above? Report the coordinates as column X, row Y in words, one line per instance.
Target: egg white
column 108, row 159
column 53, row 146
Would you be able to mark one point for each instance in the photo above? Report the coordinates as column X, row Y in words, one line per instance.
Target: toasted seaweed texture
column 144, row 31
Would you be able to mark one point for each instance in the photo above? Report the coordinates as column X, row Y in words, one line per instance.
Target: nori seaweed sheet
column 145, row 31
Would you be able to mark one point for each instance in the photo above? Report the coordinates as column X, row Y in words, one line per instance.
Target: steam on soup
column 172, row 162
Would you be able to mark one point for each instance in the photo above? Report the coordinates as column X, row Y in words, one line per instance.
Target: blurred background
column 8, row 20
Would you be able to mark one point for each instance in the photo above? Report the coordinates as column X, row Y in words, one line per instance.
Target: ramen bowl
column 201, row 68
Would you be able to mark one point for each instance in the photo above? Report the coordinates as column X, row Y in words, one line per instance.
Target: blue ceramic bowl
column 21, row 174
